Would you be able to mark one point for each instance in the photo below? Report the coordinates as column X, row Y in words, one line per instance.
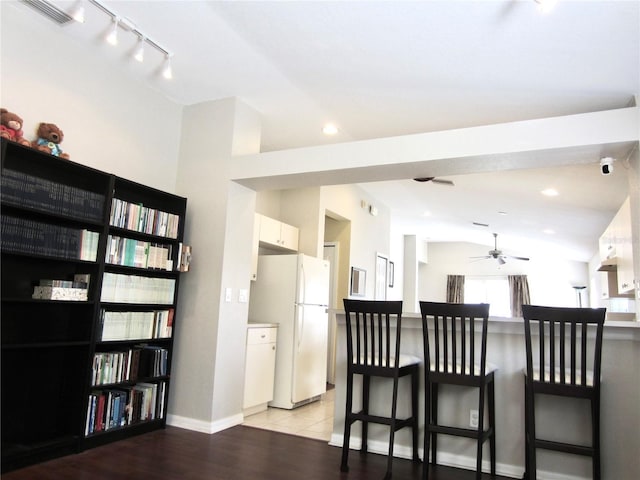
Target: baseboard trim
column 203, row 426
column 449, row 460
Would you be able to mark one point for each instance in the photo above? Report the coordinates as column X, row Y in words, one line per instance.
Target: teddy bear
column 11, row 127
column 49, row 139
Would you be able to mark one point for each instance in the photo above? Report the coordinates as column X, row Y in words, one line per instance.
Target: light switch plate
column 227, row 294
column 243, row 295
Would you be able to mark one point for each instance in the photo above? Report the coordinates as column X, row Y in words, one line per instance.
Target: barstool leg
column 366, row 385
column 595, row 428
column 492, row 426
column 392, row 428
column 415, row 381
column 434, row 421
column 344, row 466
column 530, row 439
column 479, row 432
column 427, row 430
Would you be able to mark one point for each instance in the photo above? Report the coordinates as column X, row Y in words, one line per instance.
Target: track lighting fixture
column 77, row 13
column 127, row 25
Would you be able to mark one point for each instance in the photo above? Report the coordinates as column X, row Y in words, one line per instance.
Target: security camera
column 606, row 165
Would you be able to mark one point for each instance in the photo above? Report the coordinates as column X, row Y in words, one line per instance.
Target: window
column 491, row 290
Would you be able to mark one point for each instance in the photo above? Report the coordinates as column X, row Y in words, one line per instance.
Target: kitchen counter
column 620, row 426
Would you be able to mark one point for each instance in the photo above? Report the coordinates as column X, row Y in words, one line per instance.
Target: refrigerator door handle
column 300, row 329
column 303, row 284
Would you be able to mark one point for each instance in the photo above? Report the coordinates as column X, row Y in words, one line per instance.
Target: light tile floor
column 314, row 420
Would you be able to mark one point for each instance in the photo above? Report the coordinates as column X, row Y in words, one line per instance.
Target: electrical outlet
column 473, row 418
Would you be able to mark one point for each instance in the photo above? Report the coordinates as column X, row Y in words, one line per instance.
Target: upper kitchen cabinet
column 278, row 235
column 616, row 250
column 624, row 248
column 274, row 235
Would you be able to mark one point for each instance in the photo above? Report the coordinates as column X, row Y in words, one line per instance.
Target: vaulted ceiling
column 387, row 68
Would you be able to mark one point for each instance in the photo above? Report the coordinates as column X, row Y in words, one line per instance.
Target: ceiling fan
column 497, row 254
column 440, row 181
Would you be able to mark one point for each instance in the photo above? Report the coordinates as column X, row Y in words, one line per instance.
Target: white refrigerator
column 293, row 291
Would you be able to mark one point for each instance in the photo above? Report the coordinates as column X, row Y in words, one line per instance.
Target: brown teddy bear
column 49, row 139
column 11, row 127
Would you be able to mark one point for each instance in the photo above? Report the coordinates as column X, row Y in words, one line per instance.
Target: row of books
column 137, row 217
column 114, row 408
column 138, row 253
column 20, row 235
column 127, row 366
column 123, row 288
column 23, row 190
column 136, row 325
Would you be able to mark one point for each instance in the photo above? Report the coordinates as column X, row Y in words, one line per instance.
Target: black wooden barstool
column 452, row 356
column 373, row 350
column 563, row 347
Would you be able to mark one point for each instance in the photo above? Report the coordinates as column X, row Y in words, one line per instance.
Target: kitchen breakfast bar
column 557, row 418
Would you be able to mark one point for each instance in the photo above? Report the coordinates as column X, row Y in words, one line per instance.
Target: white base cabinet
column 260, row 367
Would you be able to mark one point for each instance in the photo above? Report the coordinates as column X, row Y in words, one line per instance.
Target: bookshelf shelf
column 57, row 235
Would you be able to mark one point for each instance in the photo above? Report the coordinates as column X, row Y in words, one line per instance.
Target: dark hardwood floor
column 238, row 453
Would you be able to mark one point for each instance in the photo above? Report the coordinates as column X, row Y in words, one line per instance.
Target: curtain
column 518, row 294
column 455, row 288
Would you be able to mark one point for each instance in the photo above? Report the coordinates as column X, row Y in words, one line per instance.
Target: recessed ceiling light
column 550, row 192
column 549, row 231
column 329, row 129
column 502, row 213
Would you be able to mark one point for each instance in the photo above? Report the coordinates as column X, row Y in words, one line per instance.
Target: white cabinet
column 255, row 249
column 271, row 234
column 260, row 367
column 624, row 247
column 274, row 233
column 616, row 255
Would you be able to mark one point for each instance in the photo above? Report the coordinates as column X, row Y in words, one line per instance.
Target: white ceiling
column 385, row 68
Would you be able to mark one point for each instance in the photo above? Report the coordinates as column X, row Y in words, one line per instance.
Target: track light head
column 78, row 12
column 139, row 53
column 112, row 38
column 166, row 71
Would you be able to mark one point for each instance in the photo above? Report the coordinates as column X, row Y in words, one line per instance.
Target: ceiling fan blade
column 482, row 256
column 519, row 258
column 443, row 181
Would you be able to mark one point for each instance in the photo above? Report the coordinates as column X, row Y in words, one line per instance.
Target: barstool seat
column 373, row 350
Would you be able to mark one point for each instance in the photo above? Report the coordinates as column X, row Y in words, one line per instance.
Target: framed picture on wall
column 382, row 276
column 358, row 282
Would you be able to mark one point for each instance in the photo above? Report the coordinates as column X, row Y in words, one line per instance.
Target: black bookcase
column 58, row 228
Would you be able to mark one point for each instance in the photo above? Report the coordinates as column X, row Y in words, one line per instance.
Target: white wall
column 369, row 234
column 208, row 384
column 551, row 280
column 109, row 121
